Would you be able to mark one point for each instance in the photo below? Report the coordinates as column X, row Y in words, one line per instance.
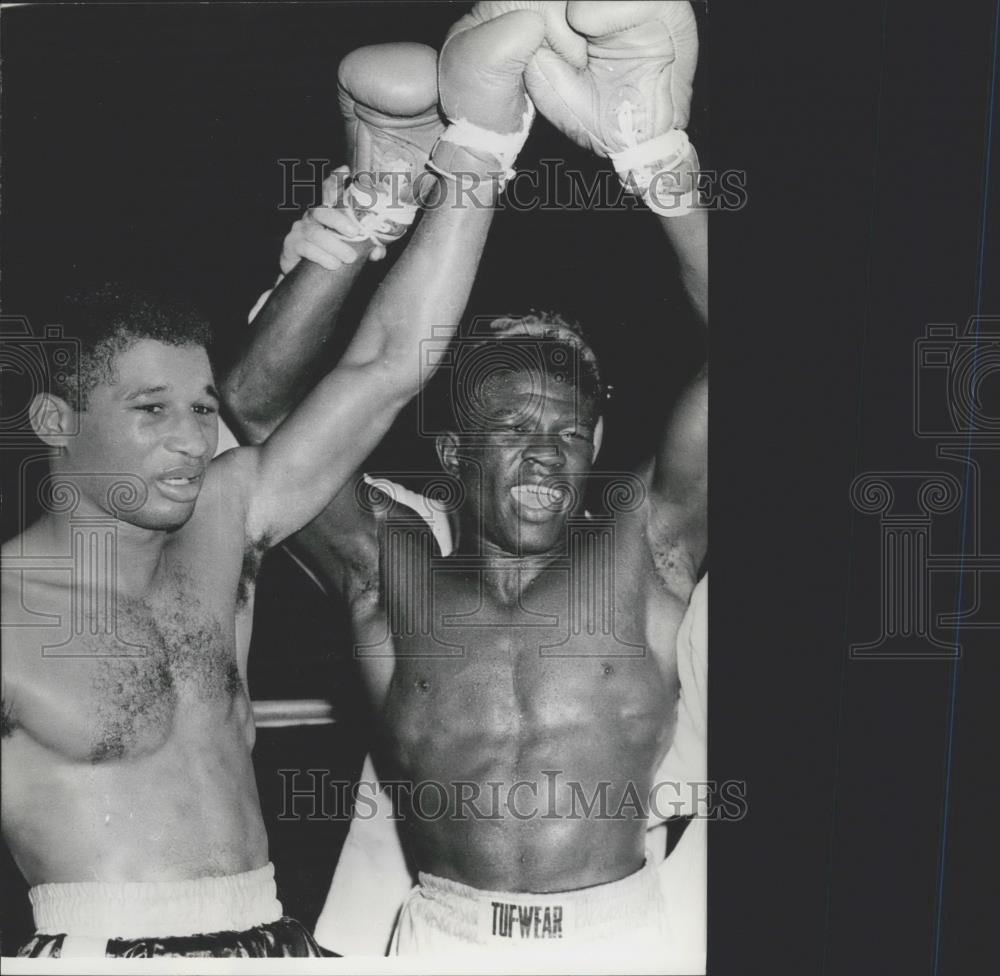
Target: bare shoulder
column 22, row 626
column 10, row 549
column 23, row 544
column 234, row 468
column 224, row 496
column 26, row 563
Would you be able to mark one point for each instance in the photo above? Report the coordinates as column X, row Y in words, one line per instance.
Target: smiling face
column 524, row 468
column 156, row 420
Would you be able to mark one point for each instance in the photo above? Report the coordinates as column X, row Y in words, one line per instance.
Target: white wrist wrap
column 503, row 147
column 382, row 215
column 665, row 152
column 656, row 165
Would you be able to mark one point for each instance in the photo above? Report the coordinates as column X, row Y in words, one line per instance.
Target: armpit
column 672, row 560
column 361, row 582
column 253, row 556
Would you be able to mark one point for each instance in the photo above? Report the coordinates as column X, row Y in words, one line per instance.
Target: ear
column 52, row 419
column 448, row 452
column 598, row 437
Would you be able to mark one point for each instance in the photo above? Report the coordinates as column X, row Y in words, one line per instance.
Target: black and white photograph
column 355, row 505
column 355, row 598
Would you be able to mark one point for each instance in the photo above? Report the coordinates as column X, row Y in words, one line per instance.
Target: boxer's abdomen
column 187, row 810
column 580, row 723
column 129, row 758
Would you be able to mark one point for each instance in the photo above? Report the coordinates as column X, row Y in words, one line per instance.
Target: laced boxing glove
column 631, row 100
column 388, row 96
column 481, row 85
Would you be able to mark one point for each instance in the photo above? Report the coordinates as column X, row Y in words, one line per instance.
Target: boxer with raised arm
column 481, row 681
column 129, row 798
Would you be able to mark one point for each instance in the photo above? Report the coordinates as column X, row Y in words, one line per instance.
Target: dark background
column 142, row 139
column 142, row 143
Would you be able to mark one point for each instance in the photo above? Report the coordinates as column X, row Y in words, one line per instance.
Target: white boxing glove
column 388, row 96
column 481, row 84
column 631, row 100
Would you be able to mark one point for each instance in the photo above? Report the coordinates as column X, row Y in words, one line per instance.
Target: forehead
column 149, row 363
column 534, row 392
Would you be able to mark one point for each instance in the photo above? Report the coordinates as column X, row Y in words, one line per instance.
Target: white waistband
column 483, row 916
column 150, row 909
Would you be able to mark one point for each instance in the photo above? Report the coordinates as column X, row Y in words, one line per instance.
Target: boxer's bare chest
column 113, row 673
column 580, row 648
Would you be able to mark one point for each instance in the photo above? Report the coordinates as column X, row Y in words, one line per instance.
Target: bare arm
column 388, row 98
column 688, row 235
column 308, row 459
column 679, row 488
column 311, row 455
column 283, row 357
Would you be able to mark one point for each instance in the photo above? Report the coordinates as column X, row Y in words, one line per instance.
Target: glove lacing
column 385, row 218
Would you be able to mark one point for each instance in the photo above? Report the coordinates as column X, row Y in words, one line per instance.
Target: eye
column 507, row 426
column 153, row 408
column 576, row 435
column 204, row 409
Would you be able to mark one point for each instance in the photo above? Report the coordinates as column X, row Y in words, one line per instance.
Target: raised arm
column 388, row 97
column 679, row 487
column 308, row 458
column 630, row 101
column 679, row 483
column 688, row 236
column 293, row 323
column 310, row 455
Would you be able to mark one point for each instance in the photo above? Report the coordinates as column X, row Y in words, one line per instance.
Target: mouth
column 180, row 487
column 537, row 501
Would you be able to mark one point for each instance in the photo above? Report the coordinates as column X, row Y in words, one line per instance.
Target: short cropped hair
column 538, row 341
column 105, row 321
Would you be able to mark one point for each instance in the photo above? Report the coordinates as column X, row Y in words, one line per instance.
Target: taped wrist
column 495, row 150
column 380, row 210
column 661, row 170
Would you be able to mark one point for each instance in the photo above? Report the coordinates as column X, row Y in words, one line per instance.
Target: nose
column 188, row 437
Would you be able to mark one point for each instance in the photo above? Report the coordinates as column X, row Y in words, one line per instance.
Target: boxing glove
column 481, row 87
column 559, row 36
column 388, row 96
column 632, row 99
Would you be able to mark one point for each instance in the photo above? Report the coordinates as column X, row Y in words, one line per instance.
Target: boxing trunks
column 372, row 877
column 238, row 915
column 622, row 919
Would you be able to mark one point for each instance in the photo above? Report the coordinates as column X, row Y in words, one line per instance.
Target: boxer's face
column 156, row 423
column 524, row 472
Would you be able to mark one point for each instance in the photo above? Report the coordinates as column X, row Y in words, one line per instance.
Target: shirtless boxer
column 496, row 693
column 129, row 799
